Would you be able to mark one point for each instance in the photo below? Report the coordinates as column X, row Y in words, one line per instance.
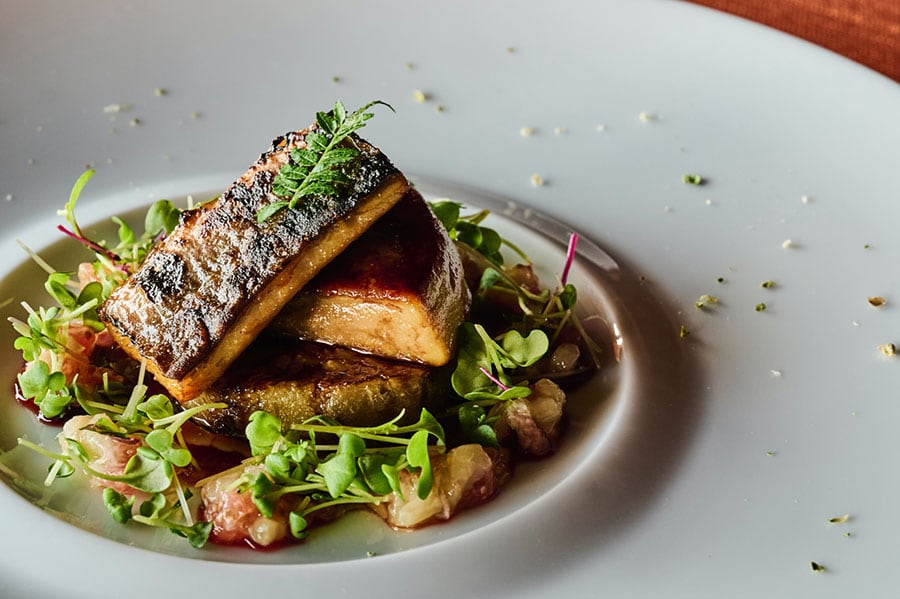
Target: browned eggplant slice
column 397, row 292
column 297, row 380
column 206, row 291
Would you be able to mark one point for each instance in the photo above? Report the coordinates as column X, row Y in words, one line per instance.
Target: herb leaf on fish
column 317, row 168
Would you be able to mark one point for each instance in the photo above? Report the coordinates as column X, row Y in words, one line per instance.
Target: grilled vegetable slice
column 298, row 380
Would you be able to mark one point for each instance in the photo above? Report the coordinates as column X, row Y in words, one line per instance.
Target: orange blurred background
column 866, row 31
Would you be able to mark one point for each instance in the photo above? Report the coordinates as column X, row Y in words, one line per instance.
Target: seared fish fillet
column 207, row 290
column 297, row 380
column 397, row 292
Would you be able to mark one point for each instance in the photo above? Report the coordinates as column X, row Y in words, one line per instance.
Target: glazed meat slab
column 397, row 292
column 205, row 292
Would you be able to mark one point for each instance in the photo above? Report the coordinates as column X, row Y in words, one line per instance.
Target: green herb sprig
column 317, row 168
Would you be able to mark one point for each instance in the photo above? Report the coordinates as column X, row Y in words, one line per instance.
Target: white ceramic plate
column 725, row 454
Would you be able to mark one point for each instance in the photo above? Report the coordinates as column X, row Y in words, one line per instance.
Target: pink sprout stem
column 93, row 246
column 570, row 256
column 494, row 379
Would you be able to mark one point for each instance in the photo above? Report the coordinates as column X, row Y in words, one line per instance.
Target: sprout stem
column 570, row 256
column 494, row 379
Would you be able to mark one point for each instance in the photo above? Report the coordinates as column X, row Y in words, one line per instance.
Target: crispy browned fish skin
column 397, row 292
column 297, row 380
column 206, row 291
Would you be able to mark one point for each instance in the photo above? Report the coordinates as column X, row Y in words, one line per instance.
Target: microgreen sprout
column 482, row 363
column 56, row 336
column 467, row 229
column 152, row 469
column 61, row 374
column 540, row 308
column 492, row 378
column 130, row 251
column 363, row 467
column 491, row 368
